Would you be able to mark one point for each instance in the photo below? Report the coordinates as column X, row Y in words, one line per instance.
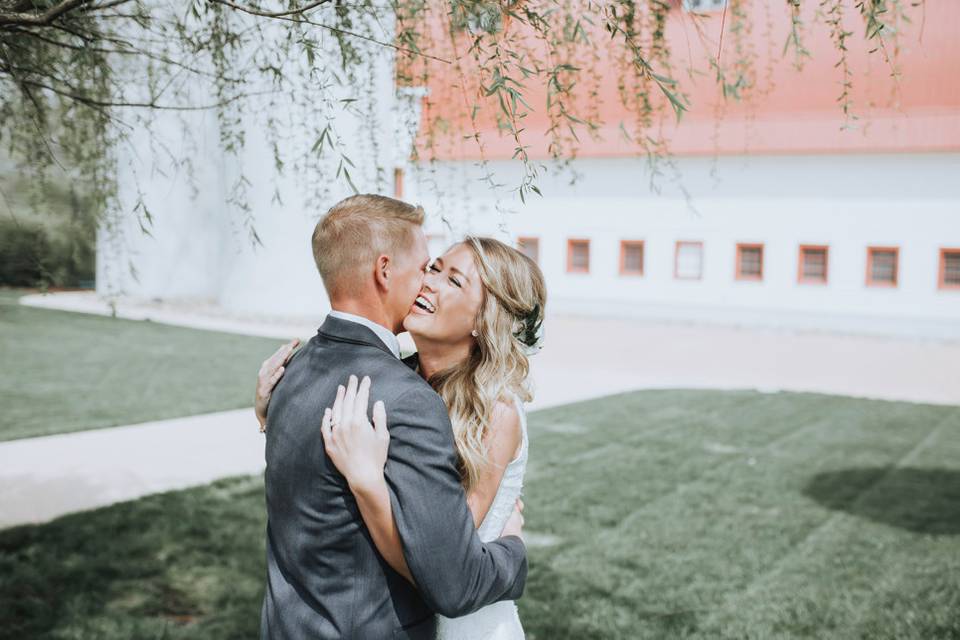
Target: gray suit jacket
column 325, row 578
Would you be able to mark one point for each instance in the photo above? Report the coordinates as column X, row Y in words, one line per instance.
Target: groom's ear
column 383, row 271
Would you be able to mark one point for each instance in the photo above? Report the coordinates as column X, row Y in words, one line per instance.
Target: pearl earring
column 474, row 333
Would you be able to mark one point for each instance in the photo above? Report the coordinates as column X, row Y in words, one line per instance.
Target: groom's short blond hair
column 350, row 236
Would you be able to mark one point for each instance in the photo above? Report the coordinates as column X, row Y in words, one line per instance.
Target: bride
column 477, row 318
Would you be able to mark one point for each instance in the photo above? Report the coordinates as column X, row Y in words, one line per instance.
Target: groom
column 325, row 578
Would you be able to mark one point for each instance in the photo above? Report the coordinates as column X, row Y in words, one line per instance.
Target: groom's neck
column 371, row 310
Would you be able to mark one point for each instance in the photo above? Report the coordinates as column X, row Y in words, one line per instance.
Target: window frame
column 826, row 264
column 870, row 282
column 624, row 245
column 942, row 270
column 570, row 243
column 676, row 259
column 534, row 239
column 738, row 273
column 398, row 175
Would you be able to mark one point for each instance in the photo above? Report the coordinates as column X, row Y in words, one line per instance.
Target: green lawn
column 656, row 514
column 68, row 371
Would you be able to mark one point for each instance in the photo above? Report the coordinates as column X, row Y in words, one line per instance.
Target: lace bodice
column 511, row 486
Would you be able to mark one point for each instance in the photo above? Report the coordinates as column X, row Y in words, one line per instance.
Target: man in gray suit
column 325, row 578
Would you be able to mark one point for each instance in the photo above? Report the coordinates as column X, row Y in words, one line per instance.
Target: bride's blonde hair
column 508, row 326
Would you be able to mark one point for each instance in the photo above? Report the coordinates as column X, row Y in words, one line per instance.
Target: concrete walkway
column 42, row 478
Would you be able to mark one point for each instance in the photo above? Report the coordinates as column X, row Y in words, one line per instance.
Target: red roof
column 789, row 111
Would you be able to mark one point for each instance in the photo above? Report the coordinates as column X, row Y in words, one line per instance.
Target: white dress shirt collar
column 386, row 336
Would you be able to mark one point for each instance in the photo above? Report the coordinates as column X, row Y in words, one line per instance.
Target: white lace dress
column 498, row 621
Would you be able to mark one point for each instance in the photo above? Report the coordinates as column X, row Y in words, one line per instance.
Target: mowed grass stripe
column 800, row 591
column 917, row 513
column 587, row 428
column 654, row 464
column 677, row 542
column 688, row 539
column 69, row 371
column 768, row 496
column 918, row 595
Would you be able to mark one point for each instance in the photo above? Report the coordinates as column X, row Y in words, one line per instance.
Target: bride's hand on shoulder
column 356, row 447
column 270, row 373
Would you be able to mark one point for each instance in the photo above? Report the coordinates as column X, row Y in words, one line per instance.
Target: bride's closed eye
column 433, row 268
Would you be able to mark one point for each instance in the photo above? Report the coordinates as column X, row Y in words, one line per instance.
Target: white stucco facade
column 846, row 202
column 199, row 246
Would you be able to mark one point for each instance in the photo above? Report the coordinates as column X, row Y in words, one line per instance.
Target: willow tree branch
column 272, row 14
column 26, row 19
column 93, row 102
column 303, row 20
column 105, row 5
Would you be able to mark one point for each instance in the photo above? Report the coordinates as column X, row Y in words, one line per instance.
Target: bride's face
column 450, row 299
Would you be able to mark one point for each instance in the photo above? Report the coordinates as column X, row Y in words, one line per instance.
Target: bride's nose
column 429, row 282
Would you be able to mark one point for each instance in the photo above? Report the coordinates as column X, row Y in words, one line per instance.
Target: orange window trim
column 826, row 263
column 398, row 183
column 624, row 245
column 942, row 279
column 570, row 244
column 896, row 269
column 748, row 245
column 676, row 259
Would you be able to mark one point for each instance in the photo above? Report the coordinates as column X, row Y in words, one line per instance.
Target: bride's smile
column 449, row 300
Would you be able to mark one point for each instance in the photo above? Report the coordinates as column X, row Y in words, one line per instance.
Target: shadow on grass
column 918, row 500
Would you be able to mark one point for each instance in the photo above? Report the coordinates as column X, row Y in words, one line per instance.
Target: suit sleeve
column 455, row 572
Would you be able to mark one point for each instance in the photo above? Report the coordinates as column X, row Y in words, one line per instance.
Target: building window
column 578, row 256
column 688, row 260
column 631, row 258
column 813, row 264
column 950, row 268
column 749, row 262
column 702, row 6
column 882, row 266
column 398, row 183
column 529, row 247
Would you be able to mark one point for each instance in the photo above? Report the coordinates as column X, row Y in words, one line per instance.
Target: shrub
column 30, row 257
column 24, row 250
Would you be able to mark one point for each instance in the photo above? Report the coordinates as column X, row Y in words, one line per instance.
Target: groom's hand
column 514, row 526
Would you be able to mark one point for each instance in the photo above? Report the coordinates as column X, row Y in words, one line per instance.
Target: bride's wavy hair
column 508, row 326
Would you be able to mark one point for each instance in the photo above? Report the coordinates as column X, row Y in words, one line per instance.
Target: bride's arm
column 359, row 451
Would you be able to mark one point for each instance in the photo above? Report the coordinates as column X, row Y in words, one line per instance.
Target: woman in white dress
column 477, row 319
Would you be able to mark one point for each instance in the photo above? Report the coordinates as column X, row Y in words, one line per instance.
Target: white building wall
column 846, row 202
column 199, row 248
